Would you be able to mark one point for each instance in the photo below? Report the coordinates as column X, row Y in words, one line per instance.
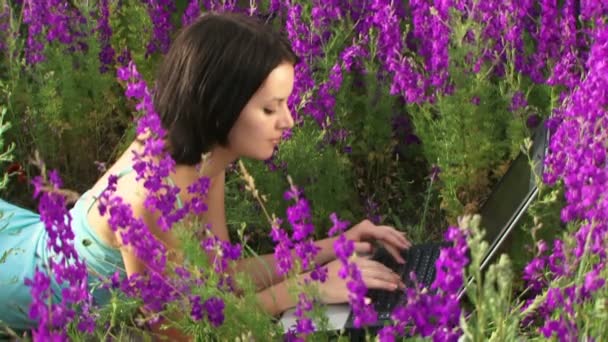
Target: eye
column 268, row 111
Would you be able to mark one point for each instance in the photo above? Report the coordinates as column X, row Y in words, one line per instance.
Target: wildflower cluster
column 58, row 20
column 299, row 217
column 435, row 312
column 508, row 57
column 106, row 55
column 577, row 158
column 191, row 13
column 66, row 276
column 160, row 13
column 223, row 252
column 363, row 312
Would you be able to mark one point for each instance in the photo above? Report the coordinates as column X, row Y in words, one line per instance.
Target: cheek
column 252, row 139
column 245, row 135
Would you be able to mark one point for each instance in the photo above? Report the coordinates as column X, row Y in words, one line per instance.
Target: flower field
column 406, row 113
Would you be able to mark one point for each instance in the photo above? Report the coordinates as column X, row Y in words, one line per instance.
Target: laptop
column 500, row 216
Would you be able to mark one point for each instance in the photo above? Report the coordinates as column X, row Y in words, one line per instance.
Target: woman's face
column 265, row 117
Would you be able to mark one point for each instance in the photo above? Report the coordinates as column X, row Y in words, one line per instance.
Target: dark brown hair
column 212, row 69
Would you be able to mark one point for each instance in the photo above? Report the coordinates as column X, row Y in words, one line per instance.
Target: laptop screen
column 512, row 195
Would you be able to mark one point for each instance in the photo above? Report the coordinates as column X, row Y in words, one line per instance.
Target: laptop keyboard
column 419, row 259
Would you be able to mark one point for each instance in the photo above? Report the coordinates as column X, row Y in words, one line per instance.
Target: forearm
column 326, row 253
column 276, row 299
column 263, row 268
column 170, row 334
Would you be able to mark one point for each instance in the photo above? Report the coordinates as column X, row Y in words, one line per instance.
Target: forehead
column 278, row 83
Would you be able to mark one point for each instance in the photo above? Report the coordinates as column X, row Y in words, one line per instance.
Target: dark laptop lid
column 510, row 199
column 512, row 196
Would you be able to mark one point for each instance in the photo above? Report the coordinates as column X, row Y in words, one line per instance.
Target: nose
column 286, row 121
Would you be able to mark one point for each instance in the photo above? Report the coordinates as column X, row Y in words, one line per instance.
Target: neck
column 216, row 162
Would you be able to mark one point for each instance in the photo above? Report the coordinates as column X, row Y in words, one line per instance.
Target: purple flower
column 299, row 217
column 34, row 17
column 431, row 24
column 191, row 13
column 224, row 252
column 338, row 226
column 304, row 324
column 363, row 312
column 592, row 283
column 533, row 121
column 197, row 308
column 351, row 55
column 220, row 6
column 282, row 250
column 435, row 171
column 518, row 101
column 306, row 250
column 67, row 270
column 577, row 157
column 372, row 208
column 160, row 13
column 303, row 83
column 564, row 330
column 436, row 313
column 344, row 248
column 533, row 274
column 387, row 334
column 214, row 307
column 107, row 53
column 547, row 36
column 319, row 273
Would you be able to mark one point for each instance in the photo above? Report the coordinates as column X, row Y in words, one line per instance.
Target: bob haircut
column 212, row 69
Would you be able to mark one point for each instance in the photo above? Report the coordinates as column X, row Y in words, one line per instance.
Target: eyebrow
column 280, row 99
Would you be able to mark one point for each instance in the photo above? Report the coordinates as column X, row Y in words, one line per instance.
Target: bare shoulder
column 131, row 192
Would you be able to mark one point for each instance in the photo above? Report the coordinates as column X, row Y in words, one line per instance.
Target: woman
column 221, row 91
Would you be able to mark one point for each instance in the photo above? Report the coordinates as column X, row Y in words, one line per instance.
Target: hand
column 374, row 275
column 392, row 239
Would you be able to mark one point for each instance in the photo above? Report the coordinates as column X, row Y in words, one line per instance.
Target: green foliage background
column 75, row 117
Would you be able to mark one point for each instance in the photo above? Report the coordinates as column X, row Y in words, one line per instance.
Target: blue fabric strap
column 179, row 200
column 122, row 172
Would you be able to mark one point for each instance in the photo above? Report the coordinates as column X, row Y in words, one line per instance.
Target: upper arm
column 132, row 262
column 215, row 216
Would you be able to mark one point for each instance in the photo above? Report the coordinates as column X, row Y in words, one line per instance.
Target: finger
column 392, row 237
column 407, row 241
column 399, row 235
column 384, row 275
column 363, row 247
column 376, row 267
column 374, row 283
column 402, row 237
column 395, row 253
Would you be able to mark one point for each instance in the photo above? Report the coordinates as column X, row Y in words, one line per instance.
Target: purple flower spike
column 65, row 268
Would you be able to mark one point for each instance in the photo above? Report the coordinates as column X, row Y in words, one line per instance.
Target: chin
column 261, row 156
column 267, row 156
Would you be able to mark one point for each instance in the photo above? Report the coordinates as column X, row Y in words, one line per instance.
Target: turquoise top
column 23, row 241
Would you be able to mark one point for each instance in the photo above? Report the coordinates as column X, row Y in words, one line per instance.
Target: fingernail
column 367, row 301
